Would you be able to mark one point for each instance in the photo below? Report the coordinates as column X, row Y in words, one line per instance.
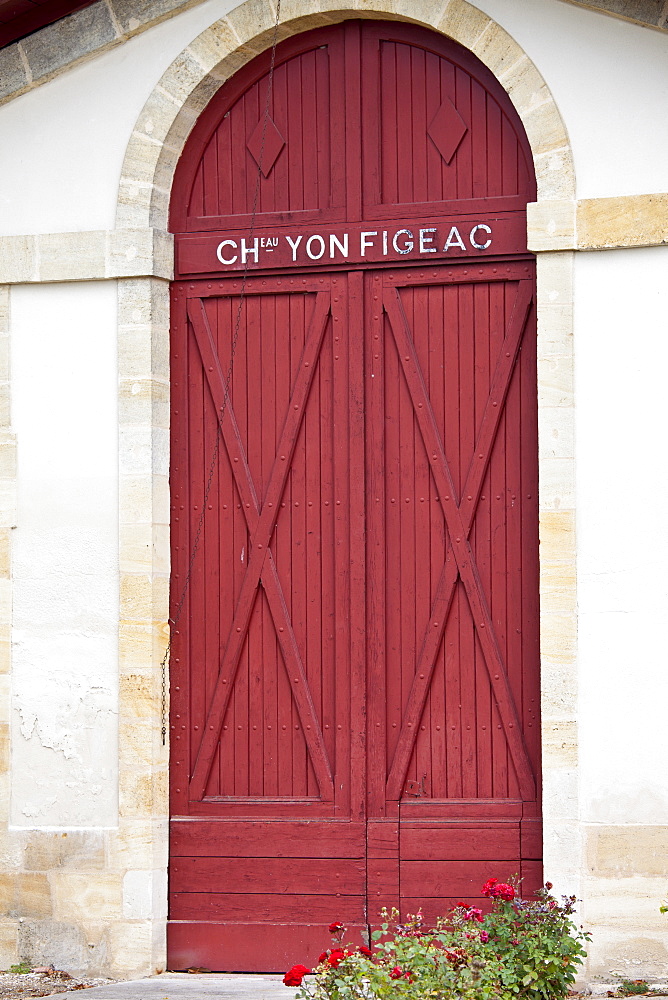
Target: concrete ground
column 234, row 986
column 177, row 985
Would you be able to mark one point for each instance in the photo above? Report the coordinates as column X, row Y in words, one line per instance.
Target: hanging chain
column 178, row 611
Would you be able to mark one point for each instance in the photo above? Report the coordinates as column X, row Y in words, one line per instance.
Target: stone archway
column 148, row 169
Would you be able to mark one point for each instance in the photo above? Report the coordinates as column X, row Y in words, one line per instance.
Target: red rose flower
column 396, row 973
column 503, row 891
column 336, row 956
column 294, row 976
column 484, row 937
column 498, row 890
column 474, row 913
column 363, row 950
column 323, row 957
column 488, row 886
column 548, row 886
column 336, row 927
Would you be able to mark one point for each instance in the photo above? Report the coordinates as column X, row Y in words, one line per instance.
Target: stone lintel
column 627, row 221
column 93, row 255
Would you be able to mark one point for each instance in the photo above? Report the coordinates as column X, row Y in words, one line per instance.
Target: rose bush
column 522, row 949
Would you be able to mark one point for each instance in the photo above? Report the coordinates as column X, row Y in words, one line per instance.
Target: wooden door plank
column 288, row 838
column 181, row 545
column 463, row 161
column 356, row 516
column 530, row 638
column 532, row 838
column 459, row 842
column 452, row 878
column 313, row 876
column 450, row 614
column 419, row 123
column 502, row 297
column 482, row 541
column 252, row 946
column 468, row 645
column 273, row 908
column 430, row 547
column 352, row 147
column 531, row 873
column 483, row 810
column 482, row 149
column 376, row 486
column 382, row 865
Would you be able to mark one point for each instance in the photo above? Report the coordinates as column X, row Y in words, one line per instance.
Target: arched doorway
column 355, row 679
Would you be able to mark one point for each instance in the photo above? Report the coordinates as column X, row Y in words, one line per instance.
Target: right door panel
column 452, row 582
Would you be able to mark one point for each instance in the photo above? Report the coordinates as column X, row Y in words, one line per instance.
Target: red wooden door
column 354, row 677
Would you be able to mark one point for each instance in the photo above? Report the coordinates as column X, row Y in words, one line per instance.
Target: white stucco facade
column 65, row 557
column 84, row 511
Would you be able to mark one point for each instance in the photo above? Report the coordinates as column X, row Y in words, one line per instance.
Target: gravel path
column 14, row 986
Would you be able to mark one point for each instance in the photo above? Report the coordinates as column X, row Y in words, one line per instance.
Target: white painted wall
column 621, row 350
column 609, row 79
column 63, row 144
column 65, row 556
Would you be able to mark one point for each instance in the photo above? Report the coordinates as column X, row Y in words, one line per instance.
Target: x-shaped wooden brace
column 261, row 567
column 459, row 521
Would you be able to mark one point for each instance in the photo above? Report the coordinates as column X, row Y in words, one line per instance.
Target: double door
column 354, row 678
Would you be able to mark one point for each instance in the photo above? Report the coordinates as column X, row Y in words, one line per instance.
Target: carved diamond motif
column 447, row 130
column 273, row 144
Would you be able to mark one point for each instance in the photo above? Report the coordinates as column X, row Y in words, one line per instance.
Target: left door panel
column 266, row 797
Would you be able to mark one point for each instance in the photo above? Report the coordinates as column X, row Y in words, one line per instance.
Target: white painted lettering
column 219, row 252
column 408, row 245
column 294, row 244
column 364, row 242
column 315, row 256
column 454, row 240
column 385, row 242
column 424, row 240
column 245, row 251
column 474, row 232
column 334, row 241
